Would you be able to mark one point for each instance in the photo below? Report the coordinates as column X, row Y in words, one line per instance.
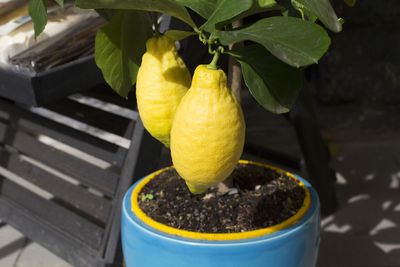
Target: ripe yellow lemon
column 162, row 81
column 208, row 130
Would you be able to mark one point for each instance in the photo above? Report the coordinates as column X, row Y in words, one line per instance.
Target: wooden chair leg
column 315, row 151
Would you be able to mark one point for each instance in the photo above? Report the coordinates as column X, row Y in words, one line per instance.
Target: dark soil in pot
column 264, row 198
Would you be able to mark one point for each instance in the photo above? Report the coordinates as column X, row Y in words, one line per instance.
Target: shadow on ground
column 365, row 230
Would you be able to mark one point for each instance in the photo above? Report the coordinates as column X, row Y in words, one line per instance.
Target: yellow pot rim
column 219, row 236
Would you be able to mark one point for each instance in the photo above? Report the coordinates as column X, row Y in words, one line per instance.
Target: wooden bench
column 65, row 167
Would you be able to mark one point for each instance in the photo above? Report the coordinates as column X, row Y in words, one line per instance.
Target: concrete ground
column 365, row 230
column 364, row 142
column 18, row 251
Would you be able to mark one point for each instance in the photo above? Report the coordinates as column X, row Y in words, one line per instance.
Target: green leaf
column 350, row 2
column 120, row 45
column 225, row 10
column 274, row 84
column 171, row 7
column 60, row 2
column 305, row 12
column 324, row 11
column 203, row 7
column 294, row 41
column 293, row 8
column 206, row 7
column 38, row 13
column 147, row 197
column 257, row 7
column 107, row 14
column 288, row 9
column 266, row 3
column 177, row 35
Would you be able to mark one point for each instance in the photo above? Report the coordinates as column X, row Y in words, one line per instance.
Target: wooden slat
column 91, row 116
column 78, row 139
column 81, row 126
column 107, row 107
column 21, row 81
column 45, row 216
column 73, row 251
column 50, row 213
column 3, row 131
column 105, row 93
column 61, row 81
column 142, row 159
column 80, row 198
column 103, row 180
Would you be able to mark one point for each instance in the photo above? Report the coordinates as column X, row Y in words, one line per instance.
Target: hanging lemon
column 162, row 81
column 208, row 131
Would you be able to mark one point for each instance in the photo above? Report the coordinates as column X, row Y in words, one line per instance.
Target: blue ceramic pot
column 293, row 243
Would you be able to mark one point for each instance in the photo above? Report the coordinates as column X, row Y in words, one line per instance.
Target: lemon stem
column 213, row 64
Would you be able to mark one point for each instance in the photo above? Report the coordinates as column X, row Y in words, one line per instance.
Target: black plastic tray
column 37, row 89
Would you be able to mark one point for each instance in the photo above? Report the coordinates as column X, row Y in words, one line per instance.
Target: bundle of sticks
column 76, row 42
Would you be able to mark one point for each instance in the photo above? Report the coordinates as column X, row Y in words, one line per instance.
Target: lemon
column 162, row 81
column 208, row 131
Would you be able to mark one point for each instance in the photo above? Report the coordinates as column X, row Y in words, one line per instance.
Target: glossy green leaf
column 257, row 7
column 203, row 7
column 177, row 35
column 225, row 10
column 107, row 14
column 292, row 40
column 38, row 13
column 324, row 11
column 304, row 11
column 171, row 7
column 60, row 3
column 274, row 84
column 260, row 6
column 120, row 45
column 266, row 3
